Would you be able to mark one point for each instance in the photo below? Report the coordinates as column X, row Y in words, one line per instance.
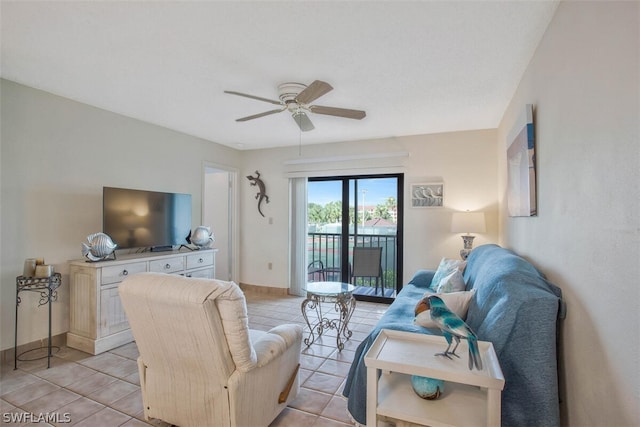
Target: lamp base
column 468, row 245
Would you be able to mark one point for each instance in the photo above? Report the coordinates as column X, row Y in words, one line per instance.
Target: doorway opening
column 219, row 207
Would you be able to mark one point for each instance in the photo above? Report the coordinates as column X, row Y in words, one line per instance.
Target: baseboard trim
column 269, row 290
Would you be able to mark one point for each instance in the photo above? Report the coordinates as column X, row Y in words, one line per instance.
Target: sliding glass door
column 354, row 228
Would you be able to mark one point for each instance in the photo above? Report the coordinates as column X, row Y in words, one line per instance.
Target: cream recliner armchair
column 200, row 364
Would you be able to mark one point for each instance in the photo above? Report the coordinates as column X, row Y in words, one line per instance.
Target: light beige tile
column 323, row 382
column 78, row 410
column 133, row 422
column 130, row 404
column 319, row 350
column 133, row 378
column 113, row 392
column 310, row 401
column 72, row 354
column 5, row 406
column 327, row 422
column 65, row 374
column 311, row 362
column 50, row 402
column 293, row 418
column 337, row 410
column 106, row 417
column 130, row 351
column 15, row 379
column 335, row 367
column 88, row 385
column 30, row 392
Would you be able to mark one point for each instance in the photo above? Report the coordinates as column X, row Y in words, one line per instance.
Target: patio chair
column 200, row 364
column 315, row 271
column 367, row 262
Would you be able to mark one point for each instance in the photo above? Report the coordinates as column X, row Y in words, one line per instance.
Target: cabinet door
column 83, row 307
column 112, row 316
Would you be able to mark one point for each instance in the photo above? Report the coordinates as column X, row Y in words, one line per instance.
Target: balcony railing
column 327, row 249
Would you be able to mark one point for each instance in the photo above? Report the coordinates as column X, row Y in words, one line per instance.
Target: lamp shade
column 468, row 222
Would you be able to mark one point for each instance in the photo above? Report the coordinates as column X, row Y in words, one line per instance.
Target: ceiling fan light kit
column 295, row 98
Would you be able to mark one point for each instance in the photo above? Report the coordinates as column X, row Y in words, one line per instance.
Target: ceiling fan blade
column 256, row 116
column 271, row 101
column 339, row 112
column 303, row 121
column 314, row 91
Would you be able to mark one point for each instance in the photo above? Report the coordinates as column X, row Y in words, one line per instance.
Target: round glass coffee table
column 341, row 296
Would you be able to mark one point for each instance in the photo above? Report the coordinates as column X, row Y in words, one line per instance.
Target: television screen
column 139, row 218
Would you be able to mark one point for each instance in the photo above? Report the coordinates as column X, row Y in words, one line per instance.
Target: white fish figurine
column 99, row 247
column 202, row 237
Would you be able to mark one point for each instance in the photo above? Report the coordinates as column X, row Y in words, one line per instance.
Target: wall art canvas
column 428, row 195
column 521, row 167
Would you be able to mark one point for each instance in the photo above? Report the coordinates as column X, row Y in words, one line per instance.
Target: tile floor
column 104, row 390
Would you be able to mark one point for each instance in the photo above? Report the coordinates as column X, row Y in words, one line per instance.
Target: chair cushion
column 235, row 321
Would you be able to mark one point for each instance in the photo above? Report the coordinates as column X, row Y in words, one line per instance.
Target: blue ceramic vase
column 427, row 388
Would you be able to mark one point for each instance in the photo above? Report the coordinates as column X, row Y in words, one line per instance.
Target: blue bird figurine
column 454, row 327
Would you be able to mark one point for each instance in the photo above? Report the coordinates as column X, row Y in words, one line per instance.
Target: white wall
column 56, row 156
column 464, row 161
column 583, row 82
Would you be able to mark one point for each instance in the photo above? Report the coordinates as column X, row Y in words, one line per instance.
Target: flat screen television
column 140, row 219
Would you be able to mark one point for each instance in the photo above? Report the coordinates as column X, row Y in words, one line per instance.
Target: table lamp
column 467, row 222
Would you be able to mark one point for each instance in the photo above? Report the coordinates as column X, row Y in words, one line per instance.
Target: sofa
column 514, row 307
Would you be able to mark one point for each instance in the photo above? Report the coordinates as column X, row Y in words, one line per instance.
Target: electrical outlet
column 270, row 220
column 270, row 266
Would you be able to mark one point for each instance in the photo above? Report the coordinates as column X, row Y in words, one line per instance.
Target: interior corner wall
column 56, row 156
column 583, row 82
column 464, row 161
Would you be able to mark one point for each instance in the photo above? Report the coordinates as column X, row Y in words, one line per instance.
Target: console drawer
column 198, row 260
column 206, row 273
column 118, row 273
column 167, row 265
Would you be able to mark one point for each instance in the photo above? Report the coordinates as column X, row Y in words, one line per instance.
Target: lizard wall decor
column 262, row 194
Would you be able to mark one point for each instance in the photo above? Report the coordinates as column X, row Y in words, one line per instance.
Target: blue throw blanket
column 515, row 308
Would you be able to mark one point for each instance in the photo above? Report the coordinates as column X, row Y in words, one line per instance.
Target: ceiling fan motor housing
column 288, row 92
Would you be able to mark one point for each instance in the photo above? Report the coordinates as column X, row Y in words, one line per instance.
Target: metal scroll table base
column 47, row 288
column 343, row 304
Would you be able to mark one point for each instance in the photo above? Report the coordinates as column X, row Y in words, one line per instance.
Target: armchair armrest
column 275, row 342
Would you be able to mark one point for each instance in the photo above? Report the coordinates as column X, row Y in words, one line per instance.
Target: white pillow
column 457, row 302
column 453, row 282
column 445, row 268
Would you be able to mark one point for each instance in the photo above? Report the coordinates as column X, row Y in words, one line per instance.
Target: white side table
column 469, row 398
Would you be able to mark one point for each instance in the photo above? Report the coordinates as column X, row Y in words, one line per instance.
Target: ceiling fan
column 295, row 98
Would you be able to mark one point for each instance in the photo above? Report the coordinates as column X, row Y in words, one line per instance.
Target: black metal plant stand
column 47, row 287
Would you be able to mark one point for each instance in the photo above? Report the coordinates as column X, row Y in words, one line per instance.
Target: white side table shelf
column 469, row 398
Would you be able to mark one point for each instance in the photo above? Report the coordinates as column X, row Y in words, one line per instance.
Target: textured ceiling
column 415, row 67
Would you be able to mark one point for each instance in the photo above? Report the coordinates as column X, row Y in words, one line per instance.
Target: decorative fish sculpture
column 99, row 247
column 202, row 237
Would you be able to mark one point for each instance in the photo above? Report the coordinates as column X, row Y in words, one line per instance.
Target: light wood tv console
column 97, row 320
